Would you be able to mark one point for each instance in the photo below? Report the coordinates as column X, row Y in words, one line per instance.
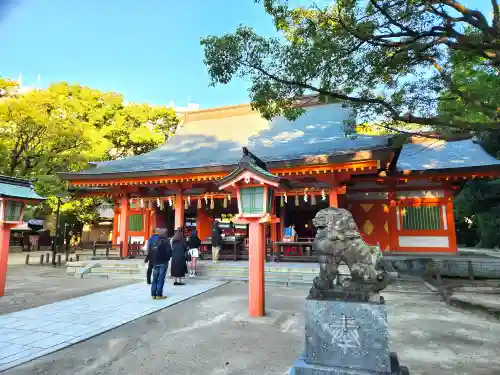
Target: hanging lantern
column 323, row 195
column 285, row 197
column 305, row 195
column 170, row 202
column 296, row 200
column 186, row 205
column 141, row 202
column 313, row 199
column 199, row 203
column 189, row 200
column 282, row 201
column 206, row 199
column 212, row 203
column 224, row 204
column 229, row 197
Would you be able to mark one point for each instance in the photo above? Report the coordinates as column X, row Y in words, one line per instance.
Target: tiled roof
column 436, row 155
column 218, row 142
column 17, row 188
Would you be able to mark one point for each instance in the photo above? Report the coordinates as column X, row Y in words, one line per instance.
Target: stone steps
column 225, row 271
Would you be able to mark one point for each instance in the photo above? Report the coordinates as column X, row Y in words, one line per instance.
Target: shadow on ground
column 212, row 335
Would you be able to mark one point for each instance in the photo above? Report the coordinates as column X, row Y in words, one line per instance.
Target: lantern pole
column 54, row 239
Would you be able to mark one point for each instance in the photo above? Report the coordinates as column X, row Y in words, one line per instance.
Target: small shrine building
column 400, row 196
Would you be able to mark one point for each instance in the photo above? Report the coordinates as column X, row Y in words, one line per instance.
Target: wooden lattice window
column 135, row 223
column 421, row 218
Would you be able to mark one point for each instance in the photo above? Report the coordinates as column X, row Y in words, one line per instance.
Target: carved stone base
column 300, row 367
column 354, row 294
column 348, row 338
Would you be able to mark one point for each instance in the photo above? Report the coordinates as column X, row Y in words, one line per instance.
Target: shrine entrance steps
column 275, row 273
column 135, row 269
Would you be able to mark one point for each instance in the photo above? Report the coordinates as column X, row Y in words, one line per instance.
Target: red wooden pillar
column 203, row 224
column 124, row 210
column 116, row 215
column 179, row 211
column 152, row 222
column 257, row 249
column 4, row 255
column 333, row 198
column 450, row 221
column 393, row 220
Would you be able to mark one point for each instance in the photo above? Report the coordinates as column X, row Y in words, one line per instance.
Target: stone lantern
column 254, row 187
column 14, row 194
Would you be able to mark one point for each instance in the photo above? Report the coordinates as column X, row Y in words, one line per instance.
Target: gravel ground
column 32, row 286
column 212, row 334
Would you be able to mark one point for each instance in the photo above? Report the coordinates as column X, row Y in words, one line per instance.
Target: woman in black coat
column 179, row 251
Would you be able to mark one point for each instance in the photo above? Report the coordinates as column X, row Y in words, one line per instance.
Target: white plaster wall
column 424, row 241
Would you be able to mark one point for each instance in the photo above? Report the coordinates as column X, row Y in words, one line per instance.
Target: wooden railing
column 277, row 251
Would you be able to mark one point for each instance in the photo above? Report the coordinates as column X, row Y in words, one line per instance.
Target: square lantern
column 254, row 186
column 12, row 211
column 253, row 201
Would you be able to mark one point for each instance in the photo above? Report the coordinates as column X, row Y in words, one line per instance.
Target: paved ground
column 32, row 286
column 29, row 334
column 212, row 334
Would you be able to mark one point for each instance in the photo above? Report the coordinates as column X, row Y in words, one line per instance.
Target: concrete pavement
column 36, row 332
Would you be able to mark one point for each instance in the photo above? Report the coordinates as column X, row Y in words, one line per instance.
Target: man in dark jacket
column 216, row 241
column 151, row 240
column 161, row 252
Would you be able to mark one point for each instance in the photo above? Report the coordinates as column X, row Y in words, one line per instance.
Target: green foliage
column 473, row 95
column 477, row 209
column 390, row 60
column 65, row 127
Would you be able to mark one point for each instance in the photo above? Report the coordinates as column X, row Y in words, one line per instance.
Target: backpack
column 153, row 249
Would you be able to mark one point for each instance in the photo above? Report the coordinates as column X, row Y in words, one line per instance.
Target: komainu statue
column 339, row 241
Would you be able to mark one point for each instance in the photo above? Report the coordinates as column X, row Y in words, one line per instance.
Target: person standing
column 194, row 243
column 216, row 241
column 179, row 257
column 160, row 254
column 152, row 240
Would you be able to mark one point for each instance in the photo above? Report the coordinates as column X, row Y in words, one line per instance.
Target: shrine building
column 400, row 196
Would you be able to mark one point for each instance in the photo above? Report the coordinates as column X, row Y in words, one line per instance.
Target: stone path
column 29, row 334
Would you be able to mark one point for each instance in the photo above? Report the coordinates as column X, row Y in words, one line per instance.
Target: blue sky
column 148, row 50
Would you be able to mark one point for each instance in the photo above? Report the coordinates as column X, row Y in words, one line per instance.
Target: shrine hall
column 400, row 194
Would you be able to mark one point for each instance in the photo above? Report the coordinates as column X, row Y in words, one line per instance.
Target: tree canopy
column 64, row 127
column 393, row 61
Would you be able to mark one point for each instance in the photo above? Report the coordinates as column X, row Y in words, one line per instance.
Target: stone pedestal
column 346, row 338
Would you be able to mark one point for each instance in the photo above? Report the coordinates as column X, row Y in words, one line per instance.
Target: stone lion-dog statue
column 338, row 240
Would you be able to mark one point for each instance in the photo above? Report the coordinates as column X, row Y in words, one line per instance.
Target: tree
column 389, row 59
column 65, row 127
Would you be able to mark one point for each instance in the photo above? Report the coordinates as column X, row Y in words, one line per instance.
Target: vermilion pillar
column 203, row 224
column 257, row 248
column 124, row 209
column 115, row 224
column 179, row 211
column 4, row 255
column 333, row 198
